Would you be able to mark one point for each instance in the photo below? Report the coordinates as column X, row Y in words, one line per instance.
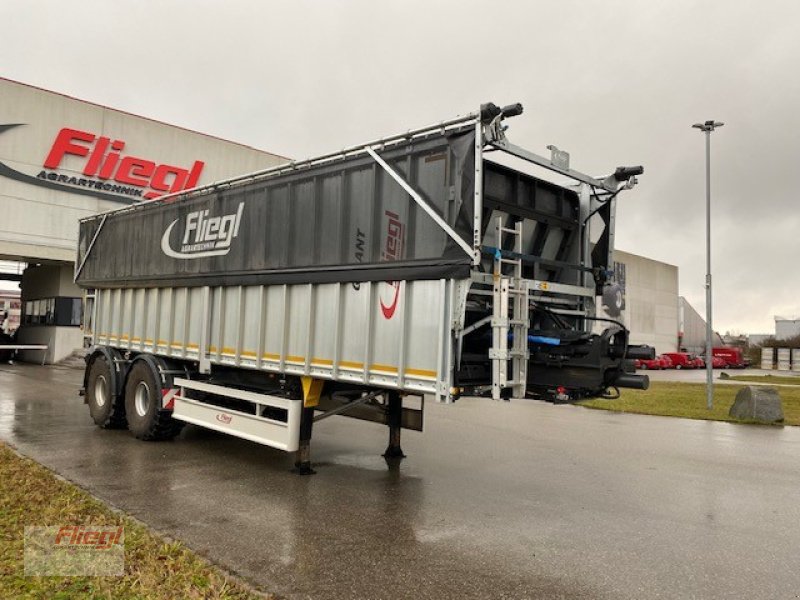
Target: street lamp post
column 707, row 128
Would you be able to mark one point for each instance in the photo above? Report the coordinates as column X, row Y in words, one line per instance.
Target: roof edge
column 125, row 112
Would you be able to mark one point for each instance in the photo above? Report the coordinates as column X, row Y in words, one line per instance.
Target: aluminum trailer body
column 343, row 284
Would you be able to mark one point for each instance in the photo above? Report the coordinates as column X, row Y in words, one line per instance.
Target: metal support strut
column 394, row 418
column 312, row 388
column 302, row 461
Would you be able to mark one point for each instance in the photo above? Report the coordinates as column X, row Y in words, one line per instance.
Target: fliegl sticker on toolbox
column 204, row 235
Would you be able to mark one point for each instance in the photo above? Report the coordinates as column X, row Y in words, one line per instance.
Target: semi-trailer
column 442, row 261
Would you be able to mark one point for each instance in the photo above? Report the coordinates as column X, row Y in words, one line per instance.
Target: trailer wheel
column 146, row 419
column 107, row 409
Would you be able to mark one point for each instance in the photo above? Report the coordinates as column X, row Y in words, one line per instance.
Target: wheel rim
column 142, row 399
column 100, row 395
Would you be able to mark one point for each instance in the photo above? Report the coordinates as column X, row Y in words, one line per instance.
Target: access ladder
column 510, row 317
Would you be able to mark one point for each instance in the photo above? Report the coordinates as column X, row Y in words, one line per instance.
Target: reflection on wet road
column 511, row 500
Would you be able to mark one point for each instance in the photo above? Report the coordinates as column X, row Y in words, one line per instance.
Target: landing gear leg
column 302, row 461
column 394, row 419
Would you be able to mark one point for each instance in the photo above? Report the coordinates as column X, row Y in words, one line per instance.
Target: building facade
column 62, row 159
column 643, row 295
column 692, row 330
column 786, row 328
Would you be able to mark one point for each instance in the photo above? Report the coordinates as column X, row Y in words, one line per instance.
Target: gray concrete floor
column 506, row 500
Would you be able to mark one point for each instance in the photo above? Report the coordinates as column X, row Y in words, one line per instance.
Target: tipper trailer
column 352, row 282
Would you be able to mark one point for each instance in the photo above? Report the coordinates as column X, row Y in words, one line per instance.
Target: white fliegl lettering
column 204, row 235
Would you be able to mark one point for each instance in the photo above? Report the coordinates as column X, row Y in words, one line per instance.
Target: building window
column 59, row 312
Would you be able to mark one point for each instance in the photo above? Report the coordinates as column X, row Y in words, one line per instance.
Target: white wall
column 651, row 301
column 49, row 281
column 693, row 329
column 61, row 342
column 786, row 328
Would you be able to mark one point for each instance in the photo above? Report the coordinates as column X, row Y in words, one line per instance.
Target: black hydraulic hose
column 552, row 315
column 621, row 326
column 602, row 203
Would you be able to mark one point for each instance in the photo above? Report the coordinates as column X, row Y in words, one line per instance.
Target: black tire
column 106, row 409
column 146, row 419
column 613, row 299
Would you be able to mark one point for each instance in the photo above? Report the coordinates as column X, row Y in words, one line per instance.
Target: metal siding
column 398, row 352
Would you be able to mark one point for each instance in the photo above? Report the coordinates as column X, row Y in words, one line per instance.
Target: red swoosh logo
column 388, row 311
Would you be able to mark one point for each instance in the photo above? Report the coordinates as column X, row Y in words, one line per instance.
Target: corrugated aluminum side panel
column 375, row 333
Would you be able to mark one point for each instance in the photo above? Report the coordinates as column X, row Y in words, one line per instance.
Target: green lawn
column 688, row 400
column 154, row 567
column 766, row 379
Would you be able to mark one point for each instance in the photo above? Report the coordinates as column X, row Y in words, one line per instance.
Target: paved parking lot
column 506, row 500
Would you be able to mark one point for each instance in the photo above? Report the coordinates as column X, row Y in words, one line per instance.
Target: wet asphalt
column 495, row 500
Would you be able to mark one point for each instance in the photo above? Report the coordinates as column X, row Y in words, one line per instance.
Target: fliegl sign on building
column 86, row 162
column 108, row 169
column 63, row 159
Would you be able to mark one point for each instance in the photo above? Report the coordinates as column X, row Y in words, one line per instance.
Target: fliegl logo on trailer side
column 204, row 235
column 390, row 294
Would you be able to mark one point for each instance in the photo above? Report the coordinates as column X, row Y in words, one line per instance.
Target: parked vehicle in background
column 658, row 363
column 733, row 357
column 716, row 362
column 645, row 364
column 682, row 360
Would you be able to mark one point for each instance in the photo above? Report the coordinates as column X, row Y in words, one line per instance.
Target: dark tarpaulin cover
column 346, row 220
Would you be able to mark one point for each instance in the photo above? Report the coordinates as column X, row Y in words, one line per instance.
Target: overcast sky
column 612, row 82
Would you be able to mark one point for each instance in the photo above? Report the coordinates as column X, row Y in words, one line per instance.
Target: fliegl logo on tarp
column 204, row 235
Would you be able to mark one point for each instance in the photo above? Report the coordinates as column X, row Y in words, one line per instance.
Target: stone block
column 758, row 403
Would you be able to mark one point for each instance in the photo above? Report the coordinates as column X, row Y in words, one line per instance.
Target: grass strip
column 154, row 568
column 688, row 400
column 766, row 379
